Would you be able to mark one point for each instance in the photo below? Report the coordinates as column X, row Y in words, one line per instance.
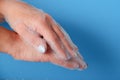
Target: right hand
column 23, row 51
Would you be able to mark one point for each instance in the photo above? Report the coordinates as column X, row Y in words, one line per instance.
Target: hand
column 38, row 29
column 26, row 52
column 23, row 51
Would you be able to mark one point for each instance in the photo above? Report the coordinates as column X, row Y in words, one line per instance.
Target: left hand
column 38, row 28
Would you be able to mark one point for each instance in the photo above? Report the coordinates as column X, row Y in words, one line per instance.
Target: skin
column 22, row 51
column 35, row 27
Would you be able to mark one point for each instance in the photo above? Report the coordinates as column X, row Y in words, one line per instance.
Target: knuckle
column 47, row 15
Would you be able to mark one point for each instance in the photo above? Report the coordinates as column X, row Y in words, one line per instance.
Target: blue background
column 94, row 25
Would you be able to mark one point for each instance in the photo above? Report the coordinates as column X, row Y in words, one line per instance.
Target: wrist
column 7, row 41
column 1, row 4
column 7, row 6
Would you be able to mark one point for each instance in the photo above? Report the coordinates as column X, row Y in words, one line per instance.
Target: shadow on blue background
column 94, row 25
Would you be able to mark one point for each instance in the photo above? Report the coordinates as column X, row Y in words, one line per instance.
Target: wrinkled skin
column 36, row 28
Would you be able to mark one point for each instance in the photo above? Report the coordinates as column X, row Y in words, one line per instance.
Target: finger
column 53, row 40
column 80, row 61
column 67, row 64
column 50, row 57
column 64, row 37
column 32, row 38
column 70, row 46
column 73, row 63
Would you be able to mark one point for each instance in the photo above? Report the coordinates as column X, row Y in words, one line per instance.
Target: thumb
column 40, row 45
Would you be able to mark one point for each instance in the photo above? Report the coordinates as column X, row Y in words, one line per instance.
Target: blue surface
column 94, row 25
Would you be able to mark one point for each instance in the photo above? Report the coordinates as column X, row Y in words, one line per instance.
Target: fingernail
column 75, row 53
column 68, row 56
column 41, row 49
column 78, row 54
column 83, row 67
